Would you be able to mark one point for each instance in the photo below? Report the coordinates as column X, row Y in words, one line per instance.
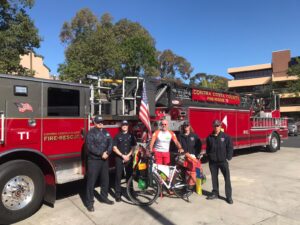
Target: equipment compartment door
column 243, row 129
column 201, row 121
column 229, row 125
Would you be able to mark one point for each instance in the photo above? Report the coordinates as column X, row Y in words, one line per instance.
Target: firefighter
column 160, row 144
column 99, row 147
column 123, row 146
column 189, row 140
column 191, row 144
column 219, row 150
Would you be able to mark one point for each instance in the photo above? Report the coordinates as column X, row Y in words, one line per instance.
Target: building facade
column 269, row 77
column 35, row 64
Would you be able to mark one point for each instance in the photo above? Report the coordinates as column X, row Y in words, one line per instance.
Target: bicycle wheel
column 180, row 187
column 142, row 193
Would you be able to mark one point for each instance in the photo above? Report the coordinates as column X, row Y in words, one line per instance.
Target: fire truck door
column 22, row 113
column 64, row 121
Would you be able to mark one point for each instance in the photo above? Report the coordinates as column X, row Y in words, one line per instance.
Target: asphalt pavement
column 292, row 142
column 266, row 191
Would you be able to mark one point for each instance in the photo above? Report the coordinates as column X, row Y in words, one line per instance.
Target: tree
column 294, row 86
column 105, row 49
column 209, row 81
column 18, row 35
column 82, row 25
column 171, row 64
column 91, row 47
column 137, row 48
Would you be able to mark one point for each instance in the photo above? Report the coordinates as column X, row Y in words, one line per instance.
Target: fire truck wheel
column 22, row 188
column 274, row 144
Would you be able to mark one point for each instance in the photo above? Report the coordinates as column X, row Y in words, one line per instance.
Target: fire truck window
column 63, row 102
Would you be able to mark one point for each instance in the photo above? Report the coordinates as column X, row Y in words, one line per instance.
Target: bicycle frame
column 173, row 170
column 153, row 168
column 171, row 179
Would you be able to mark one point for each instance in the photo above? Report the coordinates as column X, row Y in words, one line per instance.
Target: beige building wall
column 249, row 68
column 35, row 63
column 249, row 82
column 279, row 66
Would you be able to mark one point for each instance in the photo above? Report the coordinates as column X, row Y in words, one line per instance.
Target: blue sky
column 213, row 35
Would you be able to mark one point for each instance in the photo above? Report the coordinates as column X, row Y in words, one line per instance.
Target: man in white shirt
column 160, row 144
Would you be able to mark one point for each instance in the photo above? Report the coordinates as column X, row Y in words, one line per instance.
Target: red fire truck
column 43, row 124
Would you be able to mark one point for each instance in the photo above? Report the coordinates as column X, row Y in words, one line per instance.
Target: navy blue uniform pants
column 214, row 169
column 119, row 173
column 97, row 170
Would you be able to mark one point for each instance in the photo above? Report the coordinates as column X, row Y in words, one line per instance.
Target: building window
column 252, row 74
column 63, row 102
column 290, row 101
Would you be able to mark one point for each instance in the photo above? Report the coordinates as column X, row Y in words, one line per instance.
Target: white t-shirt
column 163, row 140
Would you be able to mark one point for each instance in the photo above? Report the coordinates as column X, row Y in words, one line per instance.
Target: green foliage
column 295, row 69
column 209, row 81
column 105, row 49
column 125, row 48
column 82, row 25
column 18, row 35
column 171, row 64
column 294, row 86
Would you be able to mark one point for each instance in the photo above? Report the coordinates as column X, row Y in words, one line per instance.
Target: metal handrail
column 2, row 128
column 265, row 122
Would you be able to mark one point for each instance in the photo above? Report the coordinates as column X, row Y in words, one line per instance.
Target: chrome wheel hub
column 274, row 142
column 17, row 192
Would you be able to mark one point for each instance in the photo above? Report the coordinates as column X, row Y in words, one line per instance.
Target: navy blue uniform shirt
column 219, row 148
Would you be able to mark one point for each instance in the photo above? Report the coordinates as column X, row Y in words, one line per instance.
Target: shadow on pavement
column 157, row 216
column 78, row 187
column 70, row 189
column 247, row 151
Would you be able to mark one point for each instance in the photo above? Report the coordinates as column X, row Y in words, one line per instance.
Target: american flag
column 23, row 107
column 144, row 114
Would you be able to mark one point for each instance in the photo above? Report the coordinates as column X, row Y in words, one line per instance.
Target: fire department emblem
column 23, row 107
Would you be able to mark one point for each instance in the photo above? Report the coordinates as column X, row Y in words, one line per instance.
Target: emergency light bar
column 20, row 90
column 92, row 77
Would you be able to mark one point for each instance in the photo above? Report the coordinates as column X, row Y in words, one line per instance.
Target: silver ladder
column 124, row 97
column 98, row 102
column 131, row 98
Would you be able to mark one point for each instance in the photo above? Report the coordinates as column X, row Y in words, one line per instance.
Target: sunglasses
column 164, row 124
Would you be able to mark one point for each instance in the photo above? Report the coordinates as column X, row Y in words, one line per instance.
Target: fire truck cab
column 42, row 128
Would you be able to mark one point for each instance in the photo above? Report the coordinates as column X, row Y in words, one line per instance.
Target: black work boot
column 118, row 198
column 229, row 200
column 90, row 208
column 211, row 197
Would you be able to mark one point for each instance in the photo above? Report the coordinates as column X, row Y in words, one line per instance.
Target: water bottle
column 141, row 184
column 163, row 176
column 198, row 182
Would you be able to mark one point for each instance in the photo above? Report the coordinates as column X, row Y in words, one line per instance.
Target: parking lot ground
column 266, row 191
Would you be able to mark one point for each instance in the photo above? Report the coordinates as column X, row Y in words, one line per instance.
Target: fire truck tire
column 274, row 144
column 22, row 189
